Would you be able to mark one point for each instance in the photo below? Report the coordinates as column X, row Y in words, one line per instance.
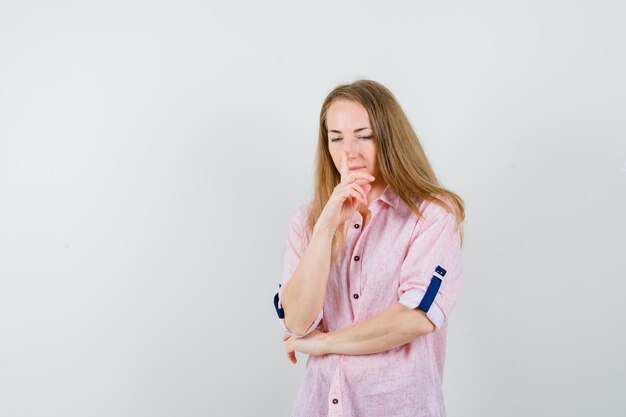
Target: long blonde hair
column 401, row 158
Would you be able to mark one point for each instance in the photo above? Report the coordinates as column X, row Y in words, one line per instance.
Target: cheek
column 374, row 162
column 372, row 156
column 335, row 156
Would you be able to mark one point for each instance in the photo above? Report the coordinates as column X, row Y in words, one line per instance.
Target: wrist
column 323, row 231
column 327, row 343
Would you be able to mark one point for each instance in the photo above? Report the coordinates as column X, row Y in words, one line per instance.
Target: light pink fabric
column 398, row 256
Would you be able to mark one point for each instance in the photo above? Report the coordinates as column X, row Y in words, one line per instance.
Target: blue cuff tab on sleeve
column 440, row 271
column 431, row 292
column 279, row 311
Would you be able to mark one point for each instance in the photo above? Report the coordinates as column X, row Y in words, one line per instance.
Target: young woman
column 372, row 267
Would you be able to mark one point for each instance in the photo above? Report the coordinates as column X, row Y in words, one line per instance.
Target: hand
column 351, row 190
column 312, row 344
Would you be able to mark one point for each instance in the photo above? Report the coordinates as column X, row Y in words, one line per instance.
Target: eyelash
column 362, row 137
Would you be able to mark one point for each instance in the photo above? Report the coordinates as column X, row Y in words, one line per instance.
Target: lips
column 355, row 168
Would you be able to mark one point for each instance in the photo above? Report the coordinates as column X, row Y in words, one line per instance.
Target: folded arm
column 393, row 327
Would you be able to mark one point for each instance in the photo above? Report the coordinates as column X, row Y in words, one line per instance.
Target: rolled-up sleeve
column 295, row 245
column 431, row 273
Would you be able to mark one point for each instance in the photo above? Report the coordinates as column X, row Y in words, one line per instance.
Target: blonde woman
column 373, row 265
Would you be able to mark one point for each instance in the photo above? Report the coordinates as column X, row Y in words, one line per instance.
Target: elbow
column 427, row 326
column 421, row 324
column 295, row 328
column 415, row 322
column 302, row 328
column 424, row 325
column 296, row 323
column 286, row 319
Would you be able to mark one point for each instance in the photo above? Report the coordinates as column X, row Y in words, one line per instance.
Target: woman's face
column 349, row 129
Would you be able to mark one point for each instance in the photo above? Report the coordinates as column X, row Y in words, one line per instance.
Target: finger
column 361, row 178
column 345, row 171
column 347, row 192
column 361, row 192
column 367, row 188
column 353, row 201
column 353, row 190
column 291, row 355
column 358, row 196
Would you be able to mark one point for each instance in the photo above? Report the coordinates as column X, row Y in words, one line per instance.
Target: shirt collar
column 390, row 197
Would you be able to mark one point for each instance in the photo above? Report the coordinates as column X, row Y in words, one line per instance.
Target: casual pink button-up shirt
column 395, row 257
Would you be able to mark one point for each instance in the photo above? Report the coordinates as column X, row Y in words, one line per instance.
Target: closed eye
column 362, row 137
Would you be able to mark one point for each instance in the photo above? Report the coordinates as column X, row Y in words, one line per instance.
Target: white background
column 151, row 154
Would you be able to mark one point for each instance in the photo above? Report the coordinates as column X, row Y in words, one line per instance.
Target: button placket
column 356, row 262
column 334, row 395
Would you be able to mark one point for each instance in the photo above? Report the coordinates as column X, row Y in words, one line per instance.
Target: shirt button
column 335, row 401
column 356, row 226
column 355, row 296
column 356, row 258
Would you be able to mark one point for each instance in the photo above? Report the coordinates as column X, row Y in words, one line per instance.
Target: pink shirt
column 393, row 258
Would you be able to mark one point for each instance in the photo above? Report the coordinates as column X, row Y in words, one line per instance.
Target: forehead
column 346, row 115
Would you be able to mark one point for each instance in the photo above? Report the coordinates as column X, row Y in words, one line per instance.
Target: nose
column 351, row 146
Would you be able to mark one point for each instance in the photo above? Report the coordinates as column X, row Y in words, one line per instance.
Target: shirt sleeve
column 430, row 275
column 295, row 245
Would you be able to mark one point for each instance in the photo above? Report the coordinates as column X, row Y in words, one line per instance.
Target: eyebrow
column 356, row 130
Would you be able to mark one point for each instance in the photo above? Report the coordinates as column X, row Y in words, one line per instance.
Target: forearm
column 303, row 295
column 393, row 327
